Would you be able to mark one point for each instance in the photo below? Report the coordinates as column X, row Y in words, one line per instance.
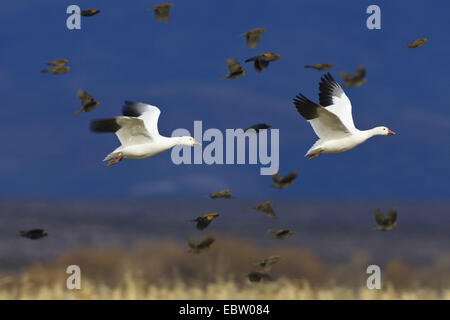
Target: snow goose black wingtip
column 137, row 109
column 306, row 107
column 328, row 88
column 132, row 109
column 104, row 125
column 328, row 77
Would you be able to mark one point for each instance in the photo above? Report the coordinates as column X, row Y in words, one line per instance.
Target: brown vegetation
column 168, row 271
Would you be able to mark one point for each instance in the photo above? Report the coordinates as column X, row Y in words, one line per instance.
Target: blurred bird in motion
column 387, row 222
column 59, row 69
column 257, row 127
column 266, row 208
column 197, row 247
column 234, row 70
column 162, row 12
column 283, row 182
column 280, row 234
column 257, row 276
column 267, row 263
column 354, row 80
column 262, row 61
column 58, row 62
column 34, row 234
column 320, row 66
column 87, row 101
column 89, row 12
column 225, row 194
column 253, row 36
column 417, row 43
column 204, row 220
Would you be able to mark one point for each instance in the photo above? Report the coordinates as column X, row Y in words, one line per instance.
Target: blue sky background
column 123, row 53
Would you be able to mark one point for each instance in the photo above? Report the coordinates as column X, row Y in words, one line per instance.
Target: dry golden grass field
column 168, row 271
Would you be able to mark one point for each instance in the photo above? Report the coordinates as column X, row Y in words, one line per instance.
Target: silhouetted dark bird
column 417, row 43
column 58, row 62
column 262, row 61
column 234, row 69
column 252, row 37
column 266, row 208
column 197, row 247
column 280, row 234
column 89, row 12
column 257, row 127
column 61, row 69
column 284, row 182
column 34, row 234
column 267, row 263
column 87, row 101
column 204, row 220
column 257, row 276
column 226, row 194
column 387, row 222
column 162, row 12
column 320, row 66
column 354, row 80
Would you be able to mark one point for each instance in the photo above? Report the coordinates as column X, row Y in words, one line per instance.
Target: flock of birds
column 331, row 120
column 384, row 223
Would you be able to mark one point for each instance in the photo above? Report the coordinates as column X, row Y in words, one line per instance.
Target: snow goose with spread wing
column 332, row 120
column 138, row 133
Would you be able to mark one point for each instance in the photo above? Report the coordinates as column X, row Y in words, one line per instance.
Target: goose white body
column 332, row 120
column 341, row 144
column 144, row 150
column 138, row 133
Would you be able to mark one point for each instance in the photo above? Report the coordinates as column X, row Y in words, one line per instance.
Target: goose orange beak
column 196, row 143
column 390, row 132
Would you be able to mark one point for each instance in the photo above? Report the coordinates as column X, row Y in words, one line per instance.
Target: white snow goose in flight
column 332, row 120
column 138, row 133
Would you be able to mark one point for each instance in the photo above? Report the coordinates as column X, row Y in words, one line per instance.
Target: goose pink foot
column 114, row 161
column 315, row 155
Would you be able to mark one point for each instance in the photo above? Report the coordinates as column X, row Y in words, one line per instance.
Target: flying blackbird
column 354, row 80
column 57, row 63
column 197, row 247
column 284, row 182
column 266, row 208
column 252, row 37
column 262, row 61
column 87, row 101
column 89, row 12
column 61, row 69
column 280, row 234
column 417, row 43
column 234, row 69
column 387, row 222
column 226, row 194
column 267, row 263
column 257, row 276
column 162, row 12
column 320, row 66
column 33, row 234
column 204, row 220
